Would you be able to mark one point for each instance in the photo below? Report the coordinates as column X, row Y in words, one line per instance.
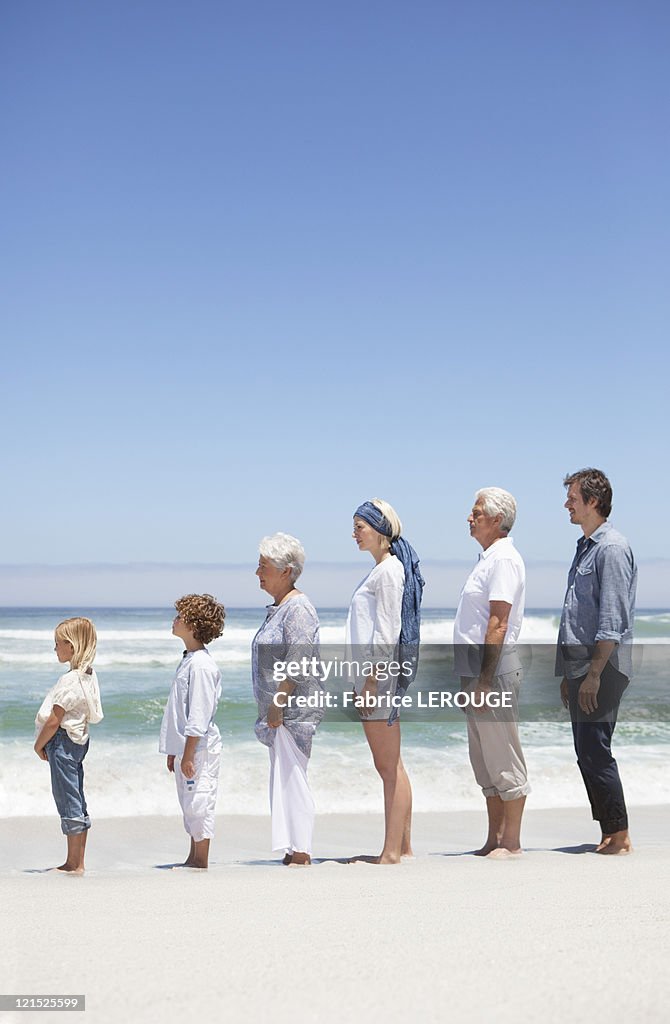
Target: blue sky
column 264, row 261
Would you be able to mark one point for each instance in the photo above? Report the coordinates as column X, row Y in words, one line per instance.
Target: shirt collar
column 496, row 543
column 597, row 535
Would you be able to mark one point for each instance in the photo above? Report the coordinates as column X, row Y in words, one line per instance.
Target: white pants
column 197, row 796
column 291, row 802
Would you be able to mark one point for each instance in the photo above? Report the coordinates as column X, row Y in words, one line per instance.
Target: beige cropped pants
column 494, row 746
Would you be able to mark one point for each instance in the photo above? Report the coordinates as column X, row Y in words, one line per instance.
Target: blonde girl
column 62, row 732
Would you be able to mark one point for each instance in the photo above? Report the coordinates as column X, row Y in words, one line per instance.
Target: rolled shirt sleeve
column 388, row 620
column 202, row 699
column 599, row 604
column 616, row 574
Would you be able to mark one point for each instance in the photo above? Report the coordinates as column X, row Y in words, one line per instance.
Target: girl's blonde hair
column 391, row 517
column 81, row 634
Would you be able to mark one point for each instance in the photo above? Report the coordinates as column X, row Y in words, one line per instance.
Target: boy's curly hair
column 203, row 614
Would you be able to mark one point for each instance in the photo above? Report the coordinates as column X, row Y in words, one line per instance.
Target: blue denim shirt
column 599, row 603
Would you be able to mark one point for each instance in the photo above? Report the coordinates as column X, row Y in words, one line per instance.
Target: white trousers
column 291, row 802
column 197, row 796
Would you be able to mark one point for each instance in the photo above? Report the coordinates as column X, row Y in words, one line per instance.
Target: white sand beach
column 557, row 933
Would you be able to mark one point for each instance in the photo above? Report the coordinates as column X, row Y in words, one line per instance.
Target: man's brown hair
column 593, row 484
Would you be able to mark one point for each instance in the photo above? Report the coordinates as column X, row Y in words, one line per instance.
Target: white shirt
column 191, row 706
column 78, row 694
column 373, row 623
column 499, row 575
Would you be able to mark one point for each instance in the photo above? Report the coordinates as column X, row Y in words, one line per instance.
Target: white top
column 374, row 619
column 499, row 575
column 78, row 694
column 191, row 706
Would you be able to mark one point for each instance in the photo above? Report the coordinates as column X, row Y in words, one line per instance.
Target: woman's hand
column 41, row 753
column 170, row 762
column 187, row 768
column 275, row 716
column 371, row 687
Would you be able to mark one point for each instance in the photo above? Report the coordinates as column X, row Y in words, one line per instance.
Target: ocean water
column 137, row 656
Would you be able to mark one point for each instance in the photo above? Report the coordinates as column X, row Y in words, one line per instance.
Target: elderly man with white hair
column 487, row 625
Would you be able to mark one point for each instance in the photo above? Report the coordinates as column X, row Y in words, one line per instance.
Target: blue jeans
column 67, row 782
column 592, row 735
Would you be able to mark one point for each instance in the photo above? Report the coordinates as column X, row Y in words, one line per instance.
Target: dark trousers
column 593, row 739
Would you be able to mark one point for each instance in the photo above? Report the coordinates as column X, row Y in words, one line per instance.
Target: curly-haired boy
column 188, row 735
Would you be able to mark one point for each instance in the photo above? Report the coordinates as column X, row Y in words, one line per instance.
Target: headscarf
column 410, row 613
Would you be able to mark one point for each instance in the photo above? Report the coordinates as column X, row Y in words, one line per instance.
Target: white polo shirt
column 499, row 575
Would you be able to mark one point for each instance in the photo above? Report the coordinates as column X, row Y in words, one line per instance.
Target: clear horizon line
column 657, row 559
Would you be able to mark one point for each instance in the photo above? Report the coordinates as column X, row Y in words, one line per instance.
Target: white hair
column 285, row 552
column 497, row 502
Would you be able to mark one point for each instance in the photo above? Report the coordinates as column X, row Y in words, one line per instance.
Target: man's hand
column 588, row 693
column 564, row 693
column 478, row 695
column 187, row 768
column 275, row 716
column 371, row 688
column 41, row 753
column 170, row 762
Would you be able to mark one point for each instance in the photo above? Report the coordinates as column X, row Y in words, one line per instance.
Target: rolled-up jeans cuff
column 73, row 826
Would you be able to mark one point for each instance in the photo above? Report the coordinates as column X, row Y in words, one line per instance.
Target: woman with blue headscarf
column 383, row 627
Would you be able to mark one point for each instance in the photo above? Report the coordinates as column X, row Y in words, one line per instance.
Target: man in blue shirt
column 594, row 648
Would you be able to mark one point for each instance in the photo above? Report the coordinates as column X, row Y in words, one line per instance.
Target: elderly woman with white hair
column 290, row 633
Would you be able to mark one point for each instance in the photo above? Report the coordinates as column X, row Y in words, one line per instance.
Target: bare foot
column 616, row 843
column 300, row 858
column 502, row 853
column 486, row 849
column 388, row 858
column 68, row 870
column 384, row 858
